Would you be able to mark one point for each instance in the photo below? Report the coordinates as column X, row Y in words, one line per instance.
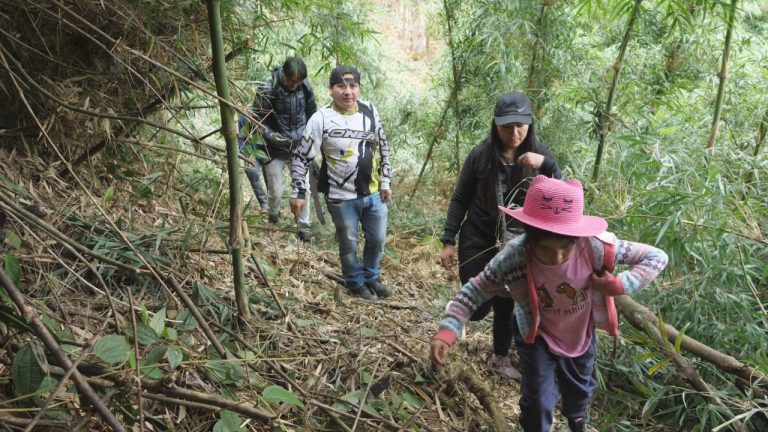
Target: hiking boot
column 364, row 293
column 381, row 290
column 273, row 218
column 503, row 367
column 578, row 425
column 305, row 236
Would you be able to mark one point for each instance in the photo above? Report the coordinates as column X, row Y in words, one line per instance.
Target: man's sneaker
column 503, row 367
column 305, row 236
column 364, row 293
column 381, row 290
column 273, row 218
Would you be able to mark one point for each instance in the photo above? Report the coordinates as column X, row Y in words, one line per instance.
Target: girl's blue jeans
column 543, row 374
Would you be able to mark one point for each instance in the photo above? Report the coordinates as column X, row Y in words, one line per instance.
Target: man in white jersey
column 354, row 176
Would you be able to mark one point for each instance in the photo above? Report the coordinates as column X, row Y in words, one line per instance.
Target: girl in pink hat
column 556, row 274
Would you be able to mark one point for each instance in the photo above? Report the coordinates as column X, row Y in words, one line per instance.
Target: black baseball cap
column 337, row 74
column 513, row 107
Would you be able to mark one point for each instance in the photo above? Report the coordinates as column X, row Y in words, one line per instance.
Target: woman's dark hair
column 294, row 67
column 491, row 159
column 534, row 235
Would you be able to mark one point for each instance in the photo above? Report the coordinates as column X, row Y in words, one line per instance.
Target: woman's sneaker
column 364, row 293
column 503, row 367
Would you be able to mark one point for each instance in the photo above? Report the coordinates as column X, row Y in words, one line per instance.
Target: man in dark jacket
column 282, row 106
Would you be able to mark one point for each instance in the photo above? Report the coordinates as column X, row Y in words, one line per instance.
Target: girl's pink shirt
column 565, row 302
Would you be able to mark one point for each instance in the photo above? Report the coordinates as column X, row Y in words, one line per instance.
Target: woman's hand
column 447, row 255
column 438, row 351
column 531, row 160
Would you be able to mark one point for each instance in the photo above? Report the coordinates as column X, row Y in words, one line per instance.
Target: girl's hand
column 438, row 351
column 531, row 160
column 607, row 284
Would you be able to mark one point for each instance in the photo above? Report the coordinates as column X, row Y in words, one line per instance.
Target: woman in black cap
column 496, row 172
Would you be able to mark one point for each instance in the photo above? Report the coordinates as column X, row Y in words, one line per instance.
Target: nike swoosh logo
column 521, row 109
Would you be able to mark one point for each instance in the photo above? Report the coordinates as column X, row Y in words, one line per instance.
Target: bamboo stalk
column 438, row 134
column 456, row 71
column 762, row 131
column 603, row 117
column 722, row 75
column 538, row 46
column 229, row 130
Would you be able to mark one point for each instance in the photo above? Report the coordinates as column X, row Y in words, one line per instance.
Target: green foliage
column 112, row 349
column 230, row 422
column 276, row 394
column 26, row 372
column 12, row 269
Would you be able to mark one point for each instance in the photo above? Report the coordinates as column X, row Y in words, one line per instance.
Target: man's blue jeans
column 347, row 216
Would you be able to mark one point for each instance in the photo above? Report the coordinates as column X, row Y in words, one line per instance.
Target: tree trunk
column 229, row 130
column 604, row 117
column 723, row 75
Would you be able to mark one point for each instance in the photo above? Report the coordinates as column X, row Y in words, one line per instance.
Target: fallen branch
column 638, row 314
column 486, row 398
column 201, row 321
column 46, row 425
column 165, row 387
column 32, row 317
column 7, row 204
column 690, row 373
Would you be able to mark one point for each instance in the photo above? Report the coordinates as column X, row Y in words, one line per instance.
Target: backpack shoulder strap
column 367, row 111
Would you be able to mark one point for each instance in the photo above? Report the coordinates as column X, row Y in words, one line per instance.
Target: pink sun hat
column 557, row 206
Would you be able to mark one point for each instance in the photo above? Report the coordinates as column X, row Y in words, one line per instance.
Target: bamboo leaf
column 680, row 337
column 658, row 366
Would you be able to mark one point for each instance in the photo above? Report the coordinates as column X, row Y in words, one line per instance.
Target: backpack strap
column 367, row 112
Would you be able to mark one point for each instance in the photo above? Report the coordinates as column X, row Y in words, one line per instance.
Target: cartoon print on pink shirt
column 577, row 296
column 546, row 300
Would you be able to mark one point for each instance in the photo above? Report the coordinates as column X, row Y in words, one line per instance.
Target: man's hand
column 279, row 140
column 386, row 195
column 447, row 255
column 531, row 160
column 438, row 351
column 297, row 206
